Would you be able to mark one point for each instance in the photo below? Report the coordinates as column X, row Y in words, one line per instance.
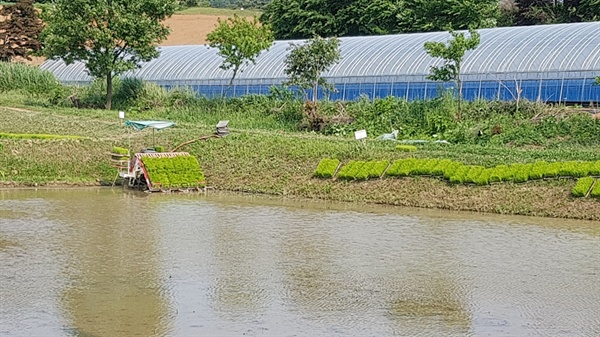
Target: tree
column 19, row 32
column 536, row 12
column 110, row 36
column 299, row 19
column 239, row 42
column 438, row 15
column 295, row 19
column 452, row 54
column 306, row 63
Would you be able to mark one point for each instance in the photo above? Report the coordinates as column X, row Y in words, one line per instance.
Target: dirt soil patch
column 190, row 29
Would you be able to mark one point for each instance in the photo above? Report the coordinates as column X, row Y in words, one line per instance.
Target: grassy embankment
column 264, row 153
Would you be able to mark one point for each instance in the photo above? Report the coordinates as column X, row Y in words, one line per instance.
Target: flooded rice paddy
column 104, row 262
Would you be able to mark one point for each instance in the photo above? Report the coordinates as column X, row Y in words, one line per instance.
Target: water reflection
column 108, row 263
column 113, row 266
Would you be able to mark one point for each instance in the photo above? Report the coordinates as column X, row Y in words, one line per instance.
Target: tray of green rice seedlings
column 582, row 187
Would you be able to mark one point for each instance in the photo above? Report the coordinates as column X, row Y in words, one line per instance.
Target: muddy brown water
column 104, row 262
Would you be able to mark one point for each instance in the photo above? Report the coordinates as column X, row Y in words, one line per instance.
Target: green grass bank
column 280, row 162
column 55, row 134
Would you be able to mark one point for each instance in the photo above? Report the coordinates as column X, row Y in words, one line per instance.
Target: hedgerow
column 582, row 187
column 37, row 136
column 406, row 148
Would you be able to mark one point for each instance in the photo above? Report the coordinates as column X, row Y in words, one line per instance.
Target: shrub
column 327, row 168
column 582, row 187
column 26, row 78
column 406, row 148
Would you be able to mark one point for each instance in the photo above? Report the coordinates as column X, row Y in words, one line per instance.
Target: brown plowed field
column 189, row 29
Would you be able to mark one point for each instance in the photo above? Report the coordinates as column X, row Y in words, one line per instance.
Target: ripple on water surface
column 108, row 263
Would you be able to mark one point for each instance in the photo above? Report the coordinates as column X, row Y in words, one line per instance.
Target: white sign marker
column 360, row 134
column 122, row 114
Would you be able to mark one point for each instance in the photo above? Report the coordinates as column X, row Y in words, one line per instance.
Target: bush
column 582, row 187
column 28, row 79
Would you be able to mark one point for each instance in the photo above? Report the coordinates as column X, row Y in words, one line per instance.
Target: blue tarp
column 141, row 125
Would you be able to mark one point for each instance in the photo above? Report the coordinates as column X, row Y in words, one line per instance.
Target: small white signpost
column 360, row 134
column 121, row 115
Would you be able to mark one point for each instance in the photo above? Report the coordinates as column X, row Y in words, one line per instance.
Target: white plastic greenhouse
column 551, row 63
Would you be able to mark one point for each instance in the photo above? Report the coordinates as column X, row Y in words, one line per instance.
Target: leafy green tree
column 536, row 12
column 19, row 32
column 438, row 15
column 294, row 19
column 298, row 19
column 110, row 36
column 306, row 63
column 239, row 41
column 452, row 53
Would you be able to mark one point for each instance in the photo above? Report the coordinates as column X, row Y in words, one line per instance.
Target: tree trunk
column 235, row 70
column 315, row 92
column 109, row 91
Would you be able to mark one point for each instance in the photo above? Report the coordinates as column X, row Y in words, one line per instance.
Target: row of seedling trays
column 586, row 186
column 174, row 172
column 456, row 172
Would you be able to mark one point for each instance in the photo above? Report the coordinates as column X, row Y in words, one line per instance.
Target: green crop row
column 361, row 170
column 37, row 136
column 327, row 168
column 582, row 187
column 458, row 173
column 174, row 172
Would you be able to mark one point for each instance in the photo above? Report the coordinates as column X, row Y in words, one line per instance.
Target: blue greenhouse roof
column 549, row 51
